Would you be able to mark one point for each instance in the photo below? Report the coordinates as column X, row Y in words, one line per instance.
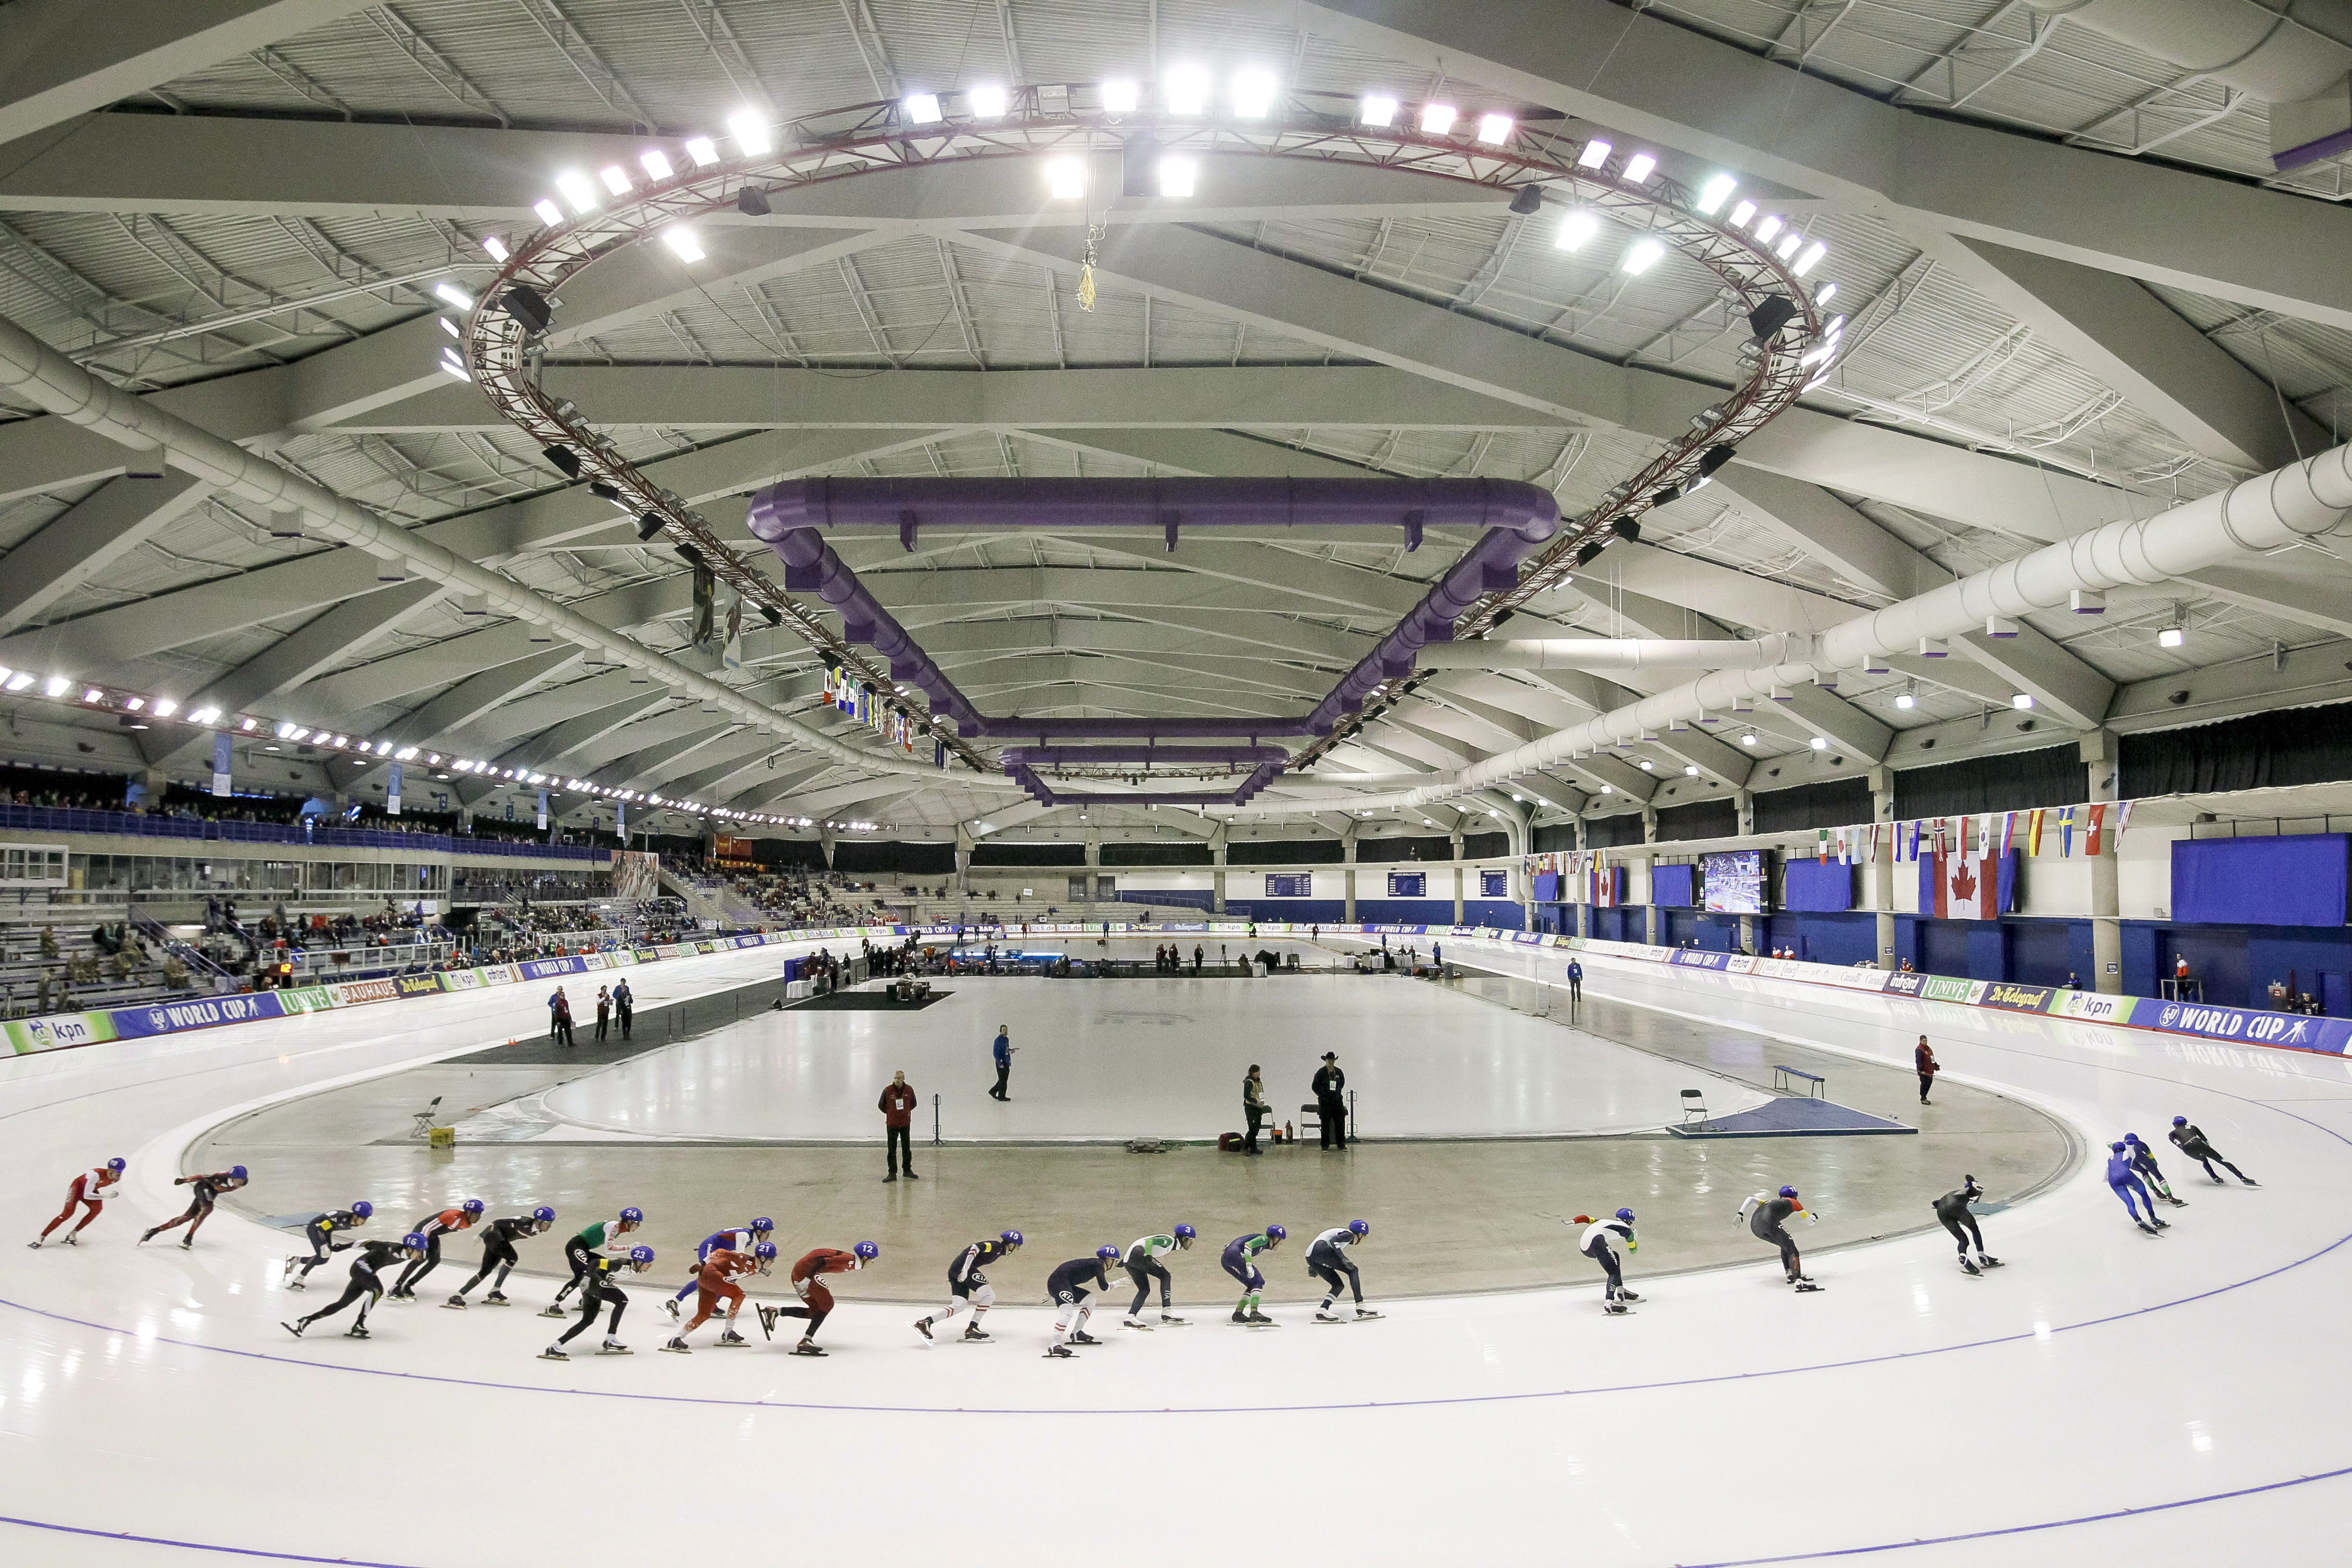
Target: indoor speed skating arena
column 791, row 779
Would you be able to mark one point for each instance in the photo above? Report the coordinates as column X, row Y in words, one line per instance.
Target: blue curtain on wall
column 1814, row 885
column 1674, row 886
column 2295, row 880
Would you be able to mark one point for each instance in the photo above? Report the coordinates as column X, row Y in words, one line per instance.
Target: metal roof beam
column 68, row 58
column 1263, row 289
column 88, row 537
column 1931, row 176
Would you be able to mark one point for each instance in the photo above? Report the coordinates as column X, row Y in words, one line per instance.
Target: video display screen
column 1734, row 881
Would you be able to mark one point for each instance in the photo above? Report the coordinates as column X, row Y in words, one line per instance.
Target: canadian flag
column 1967, row 887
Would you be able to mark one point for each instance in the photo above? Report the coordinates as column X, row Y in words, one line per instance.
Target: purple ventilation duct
column 1045, row 795
column 1162, row 756
column 1519, row 518
column 812, row 567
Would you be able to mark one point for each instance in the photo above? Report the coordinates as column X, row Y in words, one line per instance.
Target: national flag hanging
column 1821, row 847
column 2033, row 833
column 1966, row 887
column 2091, row 833
column 221, row 763
column 2008, row 832
column 1845, row 846
column 2066, row 833
column 2123, row 820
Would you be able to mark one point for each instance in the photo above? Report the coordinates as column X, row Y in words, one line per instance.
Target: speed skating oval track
column 2176, row 1399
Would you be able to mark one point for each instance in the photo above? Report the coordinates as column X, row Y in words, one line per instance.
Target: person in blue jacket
column 1003, row 1052
column 2128, row 1189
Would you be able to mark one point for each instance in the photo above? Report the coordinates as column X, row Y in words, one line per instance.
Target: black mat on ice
column 655, row 1028
column 865, row 1002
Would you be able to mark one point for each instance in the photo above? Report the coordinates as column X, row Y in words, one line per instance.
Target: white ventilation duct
column 2293, row 55
column 1619, row 653
column 2269, row 512
column 33, row 372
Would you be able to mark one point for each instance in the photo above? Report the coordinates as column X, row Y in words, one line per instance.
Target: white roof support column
column 72, row 56
column 324, row 640
column 2115, row 329
column 89, row 536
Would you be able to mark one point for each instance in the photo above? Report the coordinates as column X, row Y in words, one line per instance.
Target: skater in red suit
column 87, row 1189
column 816, row 1301
column 715, row 1278
column 200, row 1207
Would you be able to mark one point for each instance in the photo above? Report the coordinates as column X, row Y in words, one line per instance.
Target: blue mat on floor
column 1792, row 1116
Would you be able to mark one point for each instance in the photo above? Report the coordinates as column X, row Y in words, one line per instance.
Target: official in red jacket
column 897, row 1108
column 1925, row 1059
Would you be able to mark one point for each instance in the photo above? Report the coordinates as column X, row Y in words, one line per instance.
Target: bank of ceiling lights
column 1191, row 91
column 142, row 710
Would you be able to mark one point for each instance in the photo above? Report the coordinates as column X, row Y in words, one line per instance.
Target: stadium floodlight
column 1690, row 770
column 1788, row 243
column 750, row 128
column 2021, row 702
column 1642, row 257
column 1741, row 214
column 1809, row 259
column 1768, row 228
column 702, row 150
column 494, row 247
column 1825, row 293
column 921, row 107
column 1747, row 738
column 1065, row 179
column 1575, row 229
column 1715, row 191
column 1186, row 90
column 1495, row 129
column 1254, row 90
column 1377, row 110
column 1178, row 177
column 989, row 100
column 456, row 296
column 1595, row 154
column 655, row 163
column 576, row 190
column 1120, row 95
column 681, row 239
column 1639, row 167
column 1437, row 119
column 616, row 178
column 548, row 213
column 1819, row 744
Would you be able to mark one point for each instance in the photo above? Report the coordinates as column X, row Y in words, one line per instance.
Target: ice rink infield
column 2104, row 1392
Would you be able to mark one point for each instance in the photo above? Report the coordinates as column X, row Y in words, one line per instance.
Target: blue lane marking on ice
column 2023, row 1529
column 195, row 1545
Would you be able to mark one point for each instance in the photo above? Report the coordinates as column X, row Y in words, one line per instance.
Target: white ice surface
column 1159, row 1058
column 1907, row 1411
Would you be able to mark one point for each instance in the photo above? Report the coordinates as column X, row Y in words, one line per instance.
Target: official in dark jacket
column 1331, row 1101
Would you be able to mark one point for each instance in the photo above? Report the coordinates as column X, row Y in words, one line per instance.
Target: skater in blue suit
column 2130, row 1189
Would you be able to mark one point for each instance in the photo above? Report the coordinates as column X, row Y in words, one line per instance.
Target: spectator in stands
column 897, row 1108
